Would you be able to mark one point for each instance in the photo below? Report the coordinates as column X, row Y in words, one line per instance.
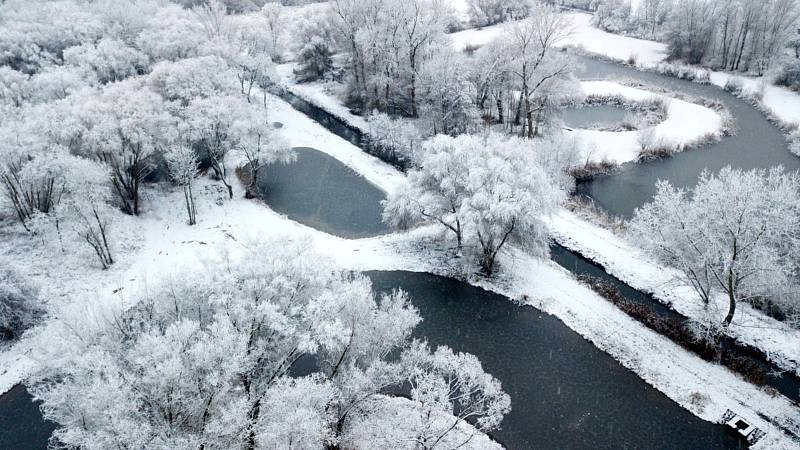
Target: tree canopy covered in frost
column 736, row 233
column 486, row 190
column 274, row 350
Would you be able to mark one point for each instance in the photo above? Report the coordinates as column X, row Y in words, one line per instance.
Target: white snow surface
column 686, row 123
column 166, row 244
column 782, row 102
column 622, row 259
column 584, row 35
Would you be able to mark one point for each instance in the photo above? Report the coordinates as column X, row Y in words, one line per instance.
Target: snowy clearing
column 686, row 124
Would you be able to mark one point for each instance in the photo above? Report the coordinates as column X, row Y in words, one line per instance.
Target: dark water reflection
column 21, row 424
column 319, row 191
column 565, row 392
column 757, row 144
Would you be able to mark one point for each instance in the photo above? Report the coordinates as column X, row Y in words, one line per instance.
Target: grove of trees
column 285, row 353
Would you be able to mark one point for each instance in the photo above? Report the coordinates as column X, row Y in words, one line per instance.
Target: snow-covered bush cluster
column 19, row 304
column 736, row 234
column 271, row 350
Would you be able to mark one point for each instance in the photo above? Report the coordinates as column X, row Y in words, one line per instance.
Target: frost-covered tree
column 125, row 126
column 171, row 33
column 222, row 124
column 314, row 46
column 86, row 208
column 190, row 78
column 110, row 59
column 446, row 95
column 486, row 190
column 388, row 43
column 184, row 169
column 489, row 12
column 736, row 233
column 535, row 62
column 395, row 139
column 207, row 361
column 446, row 383
column 259, row 145
column 15, row 87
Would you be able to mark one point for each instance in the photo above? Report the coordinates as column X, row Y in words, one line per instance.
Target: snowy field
column 168, row 244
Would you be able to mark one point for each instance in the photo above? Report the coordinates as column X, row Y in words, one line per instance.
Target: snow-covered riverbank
column 686, row 124
column 778, row 102
column 169, row 244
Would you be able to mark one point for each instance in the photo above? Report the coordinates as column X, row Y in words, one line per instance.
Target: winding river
column 756, row 144
column 565, row 391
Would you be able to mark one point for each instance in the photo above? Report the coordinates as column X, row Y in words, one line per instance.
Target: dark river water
column 565, row 392
column 757, row 144
column 21, row 423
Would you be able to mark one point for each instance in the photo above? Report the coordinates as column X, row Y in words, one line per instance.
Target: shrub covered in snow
column 789, row 75
column 19, row 304
column 394, row 140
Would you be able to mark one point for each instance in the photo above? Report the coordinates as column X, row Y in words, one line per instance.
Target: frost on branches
column 737, row 233
column 210, row 360
column 487, row 191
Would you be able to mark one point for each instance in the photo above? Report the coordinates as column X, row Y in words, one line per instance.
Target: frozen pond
column 592, row 115
column 321, row 192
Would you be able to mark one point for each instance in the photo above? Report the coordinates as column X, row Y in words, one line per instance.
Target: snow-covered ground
column 583, row 35
column 321, row 93
column 168, row 244
column 623, row 260
column 685, row 125
column 782, row 102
